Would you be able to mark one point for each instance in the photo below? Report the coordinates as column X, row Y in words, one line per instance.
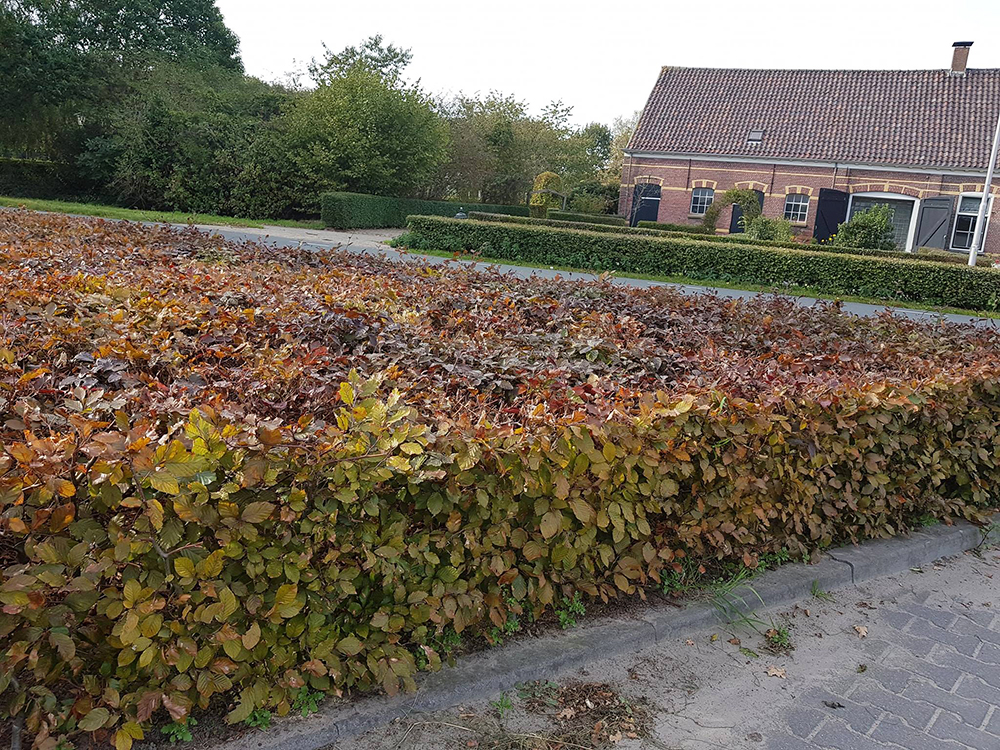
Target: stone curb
column 496, row 670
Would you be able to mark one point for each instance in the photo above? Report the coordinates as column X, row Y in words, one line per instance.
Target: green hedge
column 360, row 211
column 32, row 178
column 895, row 279
column 654, row 229
column 588, row 218
column 613, row 228
column 686, row 228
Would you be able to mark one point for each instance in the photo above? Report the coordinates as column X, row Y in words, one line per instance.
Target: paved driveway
column 373, row 241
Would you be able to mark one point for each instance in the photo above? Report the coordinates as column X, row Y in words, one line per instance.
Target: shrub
column 921, row 281
column 590, row 218
column 30, row 178
column 588, row 203
column 241, row 481
column 546, row 181
column 359, row 211
column 871, row 229
column 595, row 198
column 764, row 228
column 746, row 199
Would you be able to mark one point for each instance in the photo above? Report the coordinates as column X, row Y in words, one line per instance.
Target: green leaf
column 252, row 637
column 257, row 512
column 63, row 644
column 184, row 567
column 350, row 646
column 131, row 592
column 95, row 719
column 551, row 522
column 582, row 510
column 241, row 713
column 229, row 604
column 347, row 394
column 164, row 482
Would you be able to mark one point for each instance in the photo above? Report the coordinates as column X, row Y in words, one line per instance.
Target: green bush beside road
column 894, row 279
column 360, row 211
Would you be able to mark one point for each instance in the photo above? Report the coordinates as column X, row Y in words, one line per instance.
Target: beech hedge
column 360, row 211
column 666, row 227
column 588, row 218
column 531, row 221
column 230, row 472
column 891, row 279
column 655, row 229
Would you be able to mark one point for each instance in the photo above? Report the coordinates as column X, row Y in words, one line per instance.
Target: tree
column 63, row 62
column 388, row 61
column 364, row 132
column 621, row 134
column 543, row 201
column 178, row 137
column 132, row 31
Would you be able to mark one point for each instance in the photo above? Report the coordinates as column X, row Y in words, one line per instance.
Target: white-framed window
column 701, row 199
column 965, row 220
column 796, row 208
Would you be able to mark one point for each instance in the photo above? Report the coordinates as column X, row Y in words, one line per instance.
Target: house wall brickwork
column 677, row 178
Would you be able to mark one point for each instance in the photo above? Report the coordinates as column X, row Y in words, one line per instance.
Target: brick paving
column 933, row 683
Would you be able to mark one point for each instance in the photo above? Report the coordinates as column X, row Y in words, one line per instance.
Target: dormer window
column 755, row 136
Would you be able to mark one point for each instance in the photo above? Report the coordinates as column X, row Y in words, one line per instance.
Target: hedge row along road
column 230, row 474
column 372, row 242
column 923, row 282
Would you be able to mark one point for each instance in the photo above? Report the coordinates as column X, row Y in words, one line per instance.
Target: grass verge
column 133, row 214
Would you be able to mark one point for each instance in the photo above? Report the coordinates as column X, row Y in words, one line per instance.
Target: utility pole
column 984, row 202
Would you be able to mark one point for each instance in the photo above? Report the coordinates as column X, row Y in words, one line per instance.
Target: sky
column 602, row 58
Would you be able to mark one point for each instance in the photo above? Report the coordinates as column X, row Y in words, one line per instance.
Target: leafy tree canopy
column 372, row 55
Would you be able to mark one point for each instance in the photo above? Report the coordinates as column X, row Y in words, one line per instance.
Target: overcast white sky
column 603, row 57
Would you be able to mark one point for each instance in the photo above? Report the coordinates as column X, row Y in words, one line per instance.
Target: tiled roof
column 921, row 118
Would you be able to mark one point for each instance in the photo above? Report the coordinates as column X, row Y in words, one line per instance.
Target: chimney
column 959, row 58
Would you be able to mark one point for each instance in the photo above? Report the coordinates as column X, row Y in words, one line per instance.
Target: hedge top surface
column 695, row 240
column 147, row 309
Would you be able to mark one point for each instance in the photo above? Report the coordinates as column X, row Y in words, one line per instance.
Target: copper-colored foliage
column 229, row 473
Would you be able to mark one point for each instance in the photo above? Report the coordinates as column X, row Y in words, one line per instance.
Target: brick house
column 818, row 146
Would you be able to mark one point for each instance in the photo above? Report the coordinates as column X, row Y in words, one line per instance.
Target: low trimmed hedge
column 926, row 282
column 689, row 229
column 361, row 211
column 588, row 218
column 649, row 229
column 527, row 220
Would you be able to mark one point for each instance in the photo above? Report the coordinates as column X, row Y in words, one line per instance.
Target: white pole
column 977, row 235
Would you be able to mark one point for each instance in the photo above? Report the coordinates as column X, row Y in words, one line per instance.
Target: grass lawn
column 132, row 214
column 792, row 291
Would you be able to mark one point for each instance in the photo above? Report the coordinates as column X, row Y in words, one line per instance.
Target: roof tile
column 921, row 118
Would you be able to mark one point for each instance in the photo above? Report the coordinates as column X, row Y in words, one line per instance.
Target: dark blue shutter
column 831, row 211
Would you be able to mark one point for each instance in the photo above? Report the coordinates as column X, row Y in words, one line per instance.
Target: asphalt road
column 373, row 242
